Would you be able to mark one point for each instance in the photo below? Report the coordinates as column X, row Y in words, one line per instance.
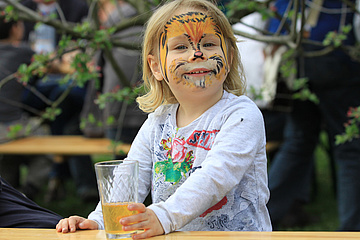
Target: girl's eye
column 180, row 47
column 208, row 45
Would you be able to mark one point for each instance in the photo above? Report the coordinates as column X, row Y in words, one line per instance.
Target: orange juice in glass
column 113, row 212
column 118, row 187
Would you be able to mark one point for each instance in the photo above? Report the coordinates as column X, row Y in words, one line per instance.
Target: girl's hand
column 146, row 220
column 75, row 222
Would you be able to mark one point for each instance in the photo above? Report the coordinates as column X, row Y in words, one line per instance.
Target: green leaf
column 110, row 120
column 91, row 118
column 51, row 113
column 14, row 130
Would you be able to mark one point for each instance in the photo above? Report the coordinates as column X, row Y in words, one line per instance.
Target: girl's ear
column 155, row 67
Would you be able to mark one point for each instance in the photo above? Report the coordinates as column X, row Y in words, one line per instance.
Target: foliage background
column 91, row 37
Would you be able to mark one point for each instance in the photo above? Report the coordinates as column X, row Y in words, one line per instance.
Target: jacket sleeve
column 97, row 216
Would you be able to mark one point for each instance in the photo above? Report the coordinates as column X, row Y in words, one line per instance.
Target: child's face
column 193, row 52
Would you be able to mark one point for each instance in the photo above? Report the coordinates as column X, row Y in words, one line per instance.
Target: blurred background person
column 44, row 39
column 13, row 53
column 334, row 78
column 128, row 117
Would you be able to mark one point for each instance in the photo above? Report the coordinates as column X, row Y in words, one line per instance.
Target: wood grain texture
column 61, row 145
column 49, row 234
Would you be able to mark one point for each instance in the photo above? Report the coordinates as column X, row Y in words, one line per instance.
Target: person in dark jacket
column 18, row 211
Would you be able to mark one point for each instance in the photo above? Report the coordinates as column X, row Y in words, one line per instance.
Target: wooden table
column 61, row 145
column 48, row 234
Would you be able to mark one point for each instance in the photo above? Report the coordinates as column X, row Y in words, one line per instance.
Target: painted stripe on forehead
column 195, row 24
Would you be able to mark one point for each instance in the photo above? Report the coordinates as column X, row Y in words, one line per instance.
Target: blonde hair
column 158, row 92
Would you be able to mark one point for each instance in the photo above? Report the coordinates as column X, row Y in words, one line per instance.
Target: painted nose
column 197, row 55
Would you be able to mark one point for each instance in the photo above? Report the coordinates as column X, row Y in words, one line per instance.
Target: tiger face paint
column 193, row 50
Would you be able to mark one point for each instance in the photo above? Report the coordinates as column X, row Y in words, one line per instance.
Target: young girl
column 202, row 149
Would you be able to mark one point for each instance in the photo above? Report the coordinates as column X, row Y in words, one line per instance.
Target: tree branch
column 283, row 39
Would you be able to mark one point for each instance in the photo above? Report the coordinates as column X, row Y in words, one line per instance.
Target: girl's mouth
column 198, row 72
column 198, row 76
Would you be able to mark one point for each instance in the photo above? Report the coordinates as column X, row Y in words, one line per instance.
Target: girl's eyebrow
column 177, row 38
column 186, row 35
column 211, row 35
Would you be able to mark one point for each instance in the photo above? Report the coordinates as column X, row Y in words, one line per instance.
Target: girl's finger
column 137, row 207
column 133, row 219
column 144, row 234
column 136, row 226
column 58, row 226
column 64, row 225
column 73, row 221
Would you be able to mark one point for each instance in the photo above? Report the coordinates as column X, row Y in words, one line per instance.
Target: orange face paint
column 193, row 25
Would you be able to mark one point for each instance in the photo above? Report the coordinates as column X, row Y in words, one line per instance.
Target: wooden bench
column 73, row 145
column 62, row 146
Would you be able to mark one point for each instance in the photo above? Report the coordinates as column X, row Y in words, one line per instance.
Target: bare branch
column 21, row 105
column 6, row 79
column 319, row 53
column 283, row 39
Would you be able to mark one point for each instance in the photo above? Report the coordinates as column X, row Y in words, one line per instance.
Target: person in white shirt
column 202, row 149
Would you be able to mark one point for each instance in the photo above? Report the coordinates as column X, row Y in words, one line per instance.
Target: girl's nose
column 198, row 55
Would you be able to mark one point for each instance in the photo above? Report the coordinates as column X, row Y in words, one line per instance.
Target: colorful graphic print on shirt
column 178, row 161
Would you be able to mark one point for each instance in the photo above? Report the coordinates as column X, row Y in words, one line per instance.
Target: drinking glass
column 118, row 187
